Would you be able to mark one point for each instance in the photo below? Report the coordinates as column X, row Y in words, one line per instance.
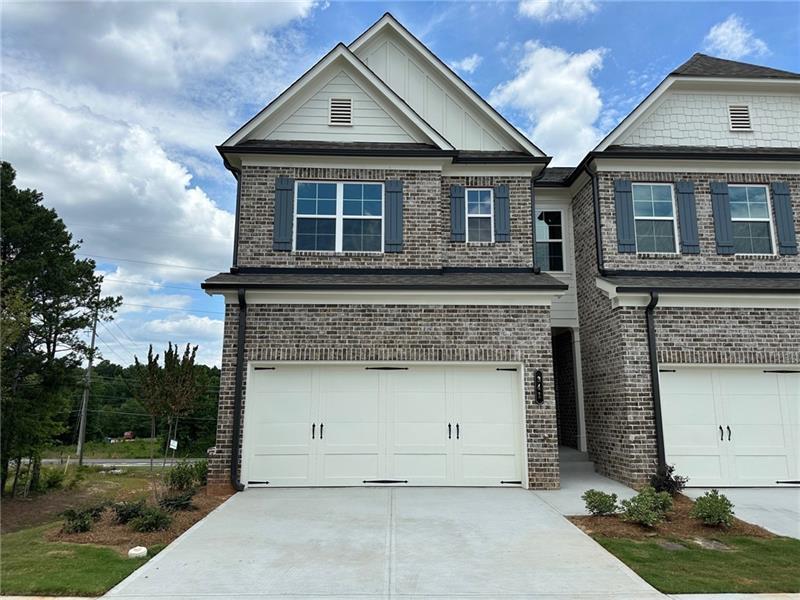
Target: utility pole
column 85, row 402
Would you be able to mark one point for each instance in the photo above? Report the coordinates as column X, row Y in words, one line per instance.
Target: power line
column 123, row 332
column 187, row 310
column 145, row 262
column 116, row 339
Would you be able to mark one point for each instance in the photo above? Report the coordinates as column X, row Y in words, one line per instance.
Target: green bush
column 665, row 480
column 200, row 472
column 181, row 477
column 177, row 500
column 76, row 521
column 125, row 512
column 150, row 519
column 648, row 507
column 600, row 503
column 713, row 509
column 51, row 479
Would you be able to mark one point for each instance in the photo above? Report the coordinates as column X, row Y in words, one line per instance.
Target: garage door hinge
column 512, row 482
column 386, row 368
column 385, row 481
column 258, row 483
column 264, row 368
column 505, row 369
column 780, row 371
column 666, row 370
column 791, row 481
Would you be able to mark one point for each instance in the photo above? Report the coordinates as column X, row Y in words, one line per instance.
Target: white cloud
column 548, row 11
column 555, row 96
column 116, row 188
column 467, row 64
column 732, row 39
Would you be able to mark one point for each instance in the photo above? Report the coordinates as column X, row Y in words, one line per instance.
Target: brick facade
column 618, row 402
column 399, row 333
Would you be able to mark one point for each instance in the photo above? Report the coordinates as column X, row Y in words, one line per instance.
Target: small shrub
column 713, row 509
column 96, row 510
column 181, row 477
column 600, row 503
column 76, row 477
column 150, row 519
column 76, row 521
column 51, row 479
column 665, row 480
column 125, row 512
column 200, row 472
column 648, row 507
column 182, row 500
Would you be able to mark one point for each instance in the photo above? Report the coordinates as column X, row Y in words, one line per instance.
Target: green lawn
column 30, row 565
column 752, row 565
column 134, row 449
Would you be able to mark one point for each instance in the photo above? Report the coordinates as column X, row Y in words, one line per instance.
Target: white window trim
column 490, row 216
column 561, row 240
column 768, row 219
column 340, row 217
column 673, row 218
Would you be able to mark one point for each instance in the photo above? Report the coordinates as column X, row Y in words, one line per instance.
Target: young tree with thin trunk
column 150, row 393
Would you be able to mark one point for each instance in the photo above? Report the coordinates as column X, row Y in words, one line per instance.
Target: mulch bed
column 120, row 537
column 678, row 525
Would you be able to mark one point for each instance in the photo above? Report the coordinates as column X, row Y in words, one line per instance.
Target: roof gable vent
column 340, row 111
column 739, row 117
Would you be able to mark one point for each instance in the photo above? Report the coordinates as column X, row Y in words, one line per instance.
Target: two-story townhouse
column 415, row 299
column 385, row 321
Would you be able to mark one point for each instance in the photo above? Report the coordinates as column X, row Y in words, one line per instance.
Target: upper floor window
column 750, row 214
column 549, row 240
column 654, row 214
column 480, row 215
column 339, row 217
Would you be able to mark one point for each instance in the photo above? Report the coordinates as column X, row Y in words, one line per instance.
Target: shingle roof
column 388, row 280
column 710, row 283
column 702, row 65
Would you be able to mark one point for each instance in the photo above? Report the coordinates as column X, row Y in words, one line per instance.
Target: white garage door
column 360, row 425
column 732, row 426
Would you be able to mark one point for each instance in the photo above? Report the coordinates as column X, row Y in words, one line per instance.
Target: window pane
column 479, row 229
column 548, row 225
column 751, row 237
column 662, row 209
column 662, row 193
column 737, row 194
column 326, row 190
column 372, row 191
column 316, row 198
column 549, row 256
column 361, row 235
column 643, row 209
column 655, row 236
column 316, row 234
column 739, row 210
column 642, row 193
column 306, row 207
column 362, row 199
column 479, row 202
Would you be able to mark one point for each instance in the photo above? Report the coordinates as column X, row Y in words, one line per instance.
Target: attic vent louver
column 739, row 117
column 341, row 111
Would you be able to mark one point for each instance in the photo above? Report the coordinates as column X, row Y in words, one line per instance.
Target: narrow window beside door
column 549, row 240
column 654, row 215
column 480, row 215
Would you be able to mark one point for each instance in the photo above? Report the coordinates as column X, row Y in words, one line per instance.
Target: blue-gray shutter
column 502, row 214
column 723, row 226
column 687, row 217
column 458, row 231
column 393, row 228
column 626, row 226
column 784, row 218
column 284, row 214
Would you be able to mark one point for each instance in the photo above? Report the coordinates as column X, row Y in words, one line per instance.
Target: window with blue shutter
column 458, row 214
column 502, row 214
column 623, row 205
column 784, row 218
column 687, row 217
column 284, row 214
column 393, row 228
column 723, row 227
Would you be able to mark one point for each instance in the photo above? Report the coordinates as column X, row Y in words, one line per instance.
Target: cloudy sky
column 113, row 110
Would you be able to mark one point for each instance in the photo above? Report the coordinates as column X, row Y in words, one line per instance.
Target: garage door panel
column 281, row 469
column 489, row 469
column 349, row 468
column 702, row 470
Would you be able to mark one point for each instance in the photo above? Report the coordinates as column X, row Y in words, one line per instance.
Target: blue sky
column 113, row 109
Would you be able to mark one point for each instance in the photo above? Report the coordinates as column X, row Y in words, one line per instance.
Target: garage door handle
column 313, row 430
column 729, row 432
column 449, row 431
column 458, row 435
column 721, row 434
column 321, row 425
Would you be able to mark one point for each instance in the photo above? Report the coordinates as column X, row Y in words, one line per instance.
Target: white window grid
column 468, row 216
column 673, row 218
column 767, row 219
column 339, row 217
column 560, row 240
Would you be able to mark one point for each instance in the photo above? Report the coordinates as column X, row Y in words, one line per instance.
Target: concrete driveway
column 382, row 543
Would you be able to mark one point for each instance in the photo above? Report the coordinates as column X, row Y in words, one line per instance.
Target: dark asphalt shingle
column 702, row 65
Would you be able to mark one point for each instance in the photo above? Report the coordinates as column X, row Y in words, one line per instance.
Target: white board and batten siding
column 431, row 95
column 371, row 123
column 564, row 309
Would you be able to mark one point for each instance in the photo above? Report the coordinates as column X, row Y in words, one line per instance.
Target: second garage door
column 734, row 426
column 366, row 425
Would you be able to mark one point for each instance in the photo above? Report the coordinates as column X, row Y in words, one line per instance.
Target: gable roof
column 342, row 54
column 702, row 65
column 387, row 21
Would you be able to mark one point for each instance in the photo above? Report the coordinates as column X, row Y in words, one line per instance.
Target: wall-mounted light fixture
column 538, row 386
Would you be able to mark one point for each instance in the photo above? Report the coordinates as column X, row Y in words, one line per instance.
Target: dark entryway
column 566, row 392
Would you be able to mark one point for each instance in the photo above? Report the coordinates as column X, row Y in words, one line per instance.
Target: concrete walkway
column 776, row 509
column 384, row 543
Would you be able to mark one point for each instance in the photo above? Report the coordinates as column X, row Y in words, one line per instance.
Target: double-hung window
column 480, row 215
column 750, row 216
column 654, row 216
column 339, row 217
column 549, row 240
